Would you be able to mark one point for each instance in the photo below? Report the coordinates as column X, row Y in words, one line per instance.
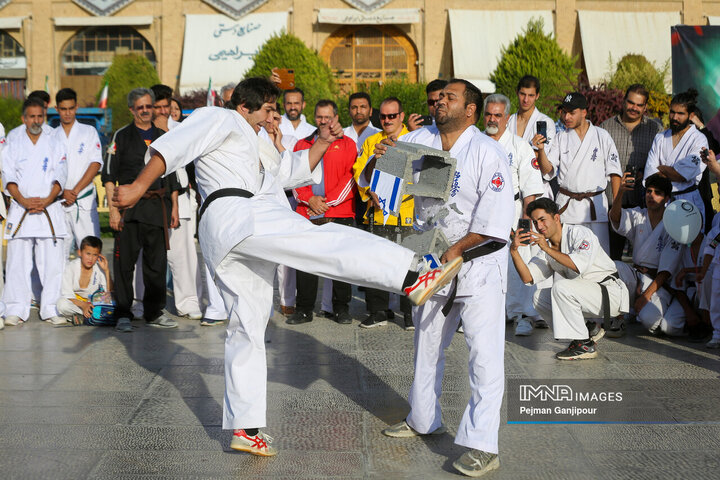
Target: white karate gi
column 71, row 288
column 83, row 148
column 304, row 129
column 3, row 214
column 712, row 249
column 481, row 201
column 652, row 248
column 530, row 132
column 34, row 168
column 575, row 296
column 684, row 158
column 585, row 166
column 244, row 239
column 359, row 141
column 526, row 181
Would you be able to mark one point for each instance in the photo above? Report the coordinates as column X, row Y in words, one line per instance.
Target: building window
column 369, row 54
column 91, row 51
column 13, row 67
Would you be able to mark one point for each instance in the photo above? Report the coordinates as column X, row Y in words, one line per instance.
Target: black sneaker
column 578, row 350
column 408, row 322
column 617, row 327
column 299, row 317
column 389, row 314
column 377, row 319
column 698, row 333
column 326, row 314
column 343, row 318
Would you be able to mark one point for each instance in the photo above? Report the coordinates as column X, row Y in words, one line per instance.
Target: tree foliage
column 125, row 73
column 412, row 96
column 603, row 102
column 10, row 112
column 634, row 68
column 535, row 53
column 312, row 73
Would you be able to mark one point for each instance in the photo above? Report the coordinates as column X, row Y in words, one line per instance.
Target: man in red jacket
column 331, row 200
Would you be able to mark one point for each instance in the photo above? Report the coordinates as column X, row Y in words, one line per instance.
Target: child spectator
column 84, row 276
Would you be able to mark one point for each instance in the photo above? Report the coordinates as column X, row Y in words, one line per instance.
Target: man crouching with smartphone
column 586, row 283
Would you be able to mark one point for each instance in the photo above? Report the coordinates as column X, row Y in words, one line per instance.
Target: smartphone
column 426, row 120
column 541, row 128
column 632, row 170
column 287, row 78
column 523, row 227
column 704, row 155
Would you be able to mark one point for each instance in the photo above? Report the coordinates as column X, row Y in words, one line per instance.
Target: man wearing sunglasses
column 395, row 228
column 432, row 91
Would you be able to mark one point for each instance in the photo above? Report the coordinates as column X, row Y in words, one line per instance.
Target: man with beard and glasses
column 527, row 185
column 480, row 215
column 675, row 153
column 361, row 129
column 34, row 173
column 633, row 133
column 293, row 122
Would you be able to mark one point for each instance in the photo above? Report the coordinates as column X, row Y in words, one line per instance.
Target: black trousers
column 307, row 286
column 617, row 243
column 379, row 300
column 136, row 236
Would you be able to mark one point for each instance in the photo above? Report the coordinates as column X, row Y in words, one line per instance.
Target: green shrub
column 312, row 73
column 412, row 96
column 125, row 73
column 10, row 112
column 634, row 68
column 534, row 53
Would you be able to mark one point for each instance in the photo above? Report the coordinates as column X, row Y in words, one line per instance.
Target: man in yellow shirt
column 391, row 120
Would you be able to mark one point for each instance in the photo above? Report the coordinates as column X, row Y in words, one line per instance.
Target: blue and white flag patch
column 387, row 188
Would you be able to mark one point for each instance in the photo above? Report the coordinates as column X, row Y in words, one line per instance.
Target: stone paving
column 84, row 402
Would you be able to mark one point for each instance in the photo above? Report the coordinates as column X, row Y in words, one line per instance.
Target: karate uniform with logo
column 34, row 168
column 526, row 181
column 243, row 254
column 71, row 288
column 530, row 132
column 653, row 250
column 481, row 201
column 83, row 148
column 575, row 296
column 684, row 158
column 585, row 166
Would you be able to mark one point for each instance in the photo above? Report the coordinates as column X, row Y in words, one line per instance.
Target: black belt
column 687, row 190
column 517, row 196
column 468, row 256
column 606, row 298
column 223, row 192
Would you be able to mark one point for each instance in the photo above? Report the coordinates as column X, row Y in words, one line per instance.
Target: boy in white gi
column 584, row 159
column 527, row 185
column 238, row 173
column 84, row 276
column 84, row 159
column 480, row 215
column 586, row 282
column 675, row 153
column 34, row 172
column 655, row 255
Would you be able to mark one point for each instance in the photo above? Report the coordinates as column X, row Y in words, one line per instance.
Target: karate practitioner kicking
column 675, row 153
column 239, row 174
column 480, row 214
column 586, row 282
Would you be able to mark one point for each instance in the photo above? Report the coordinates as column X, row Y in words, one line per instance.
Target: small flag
column 103, row 97
column 387, row 188
column 210, row 94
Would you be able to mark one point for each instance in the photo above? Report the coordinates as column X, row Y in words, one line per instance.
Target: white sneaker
column 12, row 320
column 432, row 280
column 523, row 328
column 57, row 320
column 713, row 344
column 258, row 444
column 2, row 323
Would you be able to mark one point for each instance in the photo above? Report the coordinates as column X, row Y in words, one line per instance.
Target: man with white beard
column 527, row 185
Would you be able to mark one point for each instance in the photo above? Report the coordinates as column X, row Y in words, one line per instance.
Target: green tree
column 634, row 68
column 535, row 53
column 412, row 96
column 10, row 112
column 312, row 73
column 125, row 73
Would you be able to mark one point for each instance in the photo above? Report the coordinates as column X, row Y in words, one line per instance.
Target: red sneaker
column 255, row 444
column 430, row 281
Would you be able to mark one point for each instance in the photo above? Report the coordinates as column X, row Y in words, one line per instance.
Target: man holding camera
column 586, row 282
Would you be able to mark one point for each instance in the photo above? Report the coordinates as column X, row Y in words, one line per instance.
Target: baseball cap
column 574, row 100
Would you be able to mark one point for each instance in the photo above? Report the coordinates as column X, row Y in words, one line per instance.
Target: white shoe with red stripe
column 431, row 281
column 256, row 444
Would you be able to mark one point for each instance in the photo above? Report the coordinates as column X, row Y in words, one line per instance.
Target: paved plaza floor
column 88, row 402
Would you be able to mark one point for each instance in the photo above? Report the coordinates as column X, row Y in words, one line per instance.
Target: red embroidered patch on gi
column 497, row 182
column 535, row 164
column 584, row 245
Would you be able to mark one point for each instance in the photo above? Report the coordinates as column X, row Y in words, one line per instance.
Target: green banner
column 696, row 64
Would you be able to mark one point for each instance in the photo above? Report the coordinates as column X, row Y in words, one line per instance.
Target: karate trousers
column 570, row 301
column 183, row 262
column 66, row 308
column 48, row 257
column 245, row 280
column 519, row 295
column 483, row 318
column 661, row 312
column 80, row 224
column 715, row 305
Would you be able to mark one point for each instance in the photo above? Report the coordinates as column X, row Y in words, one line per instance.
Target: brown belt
column 651, row 272
column 159, row 193
column 321, row 221
column 47, row 215
column 579, row 197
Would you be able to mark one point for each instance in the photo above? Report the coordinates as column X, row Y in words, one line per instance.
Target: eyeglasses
column 431, row 102
column 144, row 107
column 389, row 116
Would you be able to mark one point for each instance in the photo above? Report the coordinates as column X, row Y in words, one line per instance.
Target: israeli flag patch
column 387, row 188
